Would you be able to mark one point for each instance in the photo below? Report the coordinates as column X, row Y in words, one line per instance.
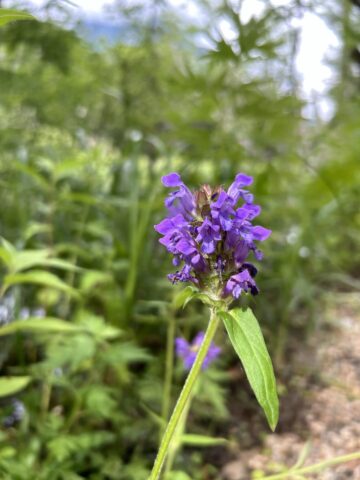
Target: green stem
column 313, row 468
column 180, row 429
column 184, row 395
column 169, row 367
column 45, row 396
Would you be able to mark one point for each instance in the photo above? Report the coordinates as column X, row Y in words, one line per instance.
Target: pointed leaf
column 7, row 15
column 246, row 337
column 56, row 325
column 37, row 228
column 60, row 263
column 5, row 257
column 24, row 259
column 39, row 277
column 45, row 324
column 184, row 297
column 11, row 385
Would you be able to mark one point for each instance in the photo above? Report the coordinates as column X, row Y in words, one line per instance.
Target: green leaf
column 34, row 174
column 5, row 256
column 97, row 329
column 246, row 337
column 9, row 247
column 93, row 279
column 64, row 446
column 39, row 277
column 17, row 261
column 208, row 300
column 22, row 260
column 189, row 293
column 184, row 297
column 68, row 168
column 125, row 353
column 157, row 419
column 201, row 440
column 99, row 401
column 7, row 15
column 36, row 229
column 61, row 264
column 11, row 385
column 45, row 324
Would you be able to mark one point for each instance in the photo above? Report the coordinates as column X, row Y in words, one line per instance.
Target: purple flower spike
column 210, row 234
column 188, row 351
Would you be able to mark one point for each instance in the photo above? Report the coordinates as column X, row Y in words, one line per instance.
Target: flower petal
column 260, row 233
column 243, row 180
column 172, row 180
column 164, row 226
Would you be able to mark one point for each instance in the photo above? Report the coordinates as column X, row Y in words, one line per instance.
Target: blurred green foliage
column 86, row 131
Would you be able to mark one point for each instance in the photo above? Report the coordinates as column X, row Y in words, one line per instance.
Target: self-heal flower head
column 211, row 235
column 188, row 351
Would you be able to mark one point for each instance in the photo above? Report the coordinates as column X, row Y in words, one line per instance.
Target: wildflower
column 17, row 414
column 188, row 351
column 181, row 200
column 210, row 234
column 242, row 281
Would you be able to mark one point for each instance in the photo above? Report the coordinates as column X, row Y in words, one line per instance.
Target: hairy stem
column 184, row 396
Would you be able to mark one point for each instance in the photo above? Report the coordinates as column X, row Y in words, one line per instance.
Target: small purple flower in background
column 17, row 414
column 188, row 351
column 211, row 236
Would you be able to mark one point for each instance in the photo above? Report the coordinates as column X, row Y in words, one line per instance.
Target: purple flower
column 181, row 200
column 222, row 211
column 171, row 224
column 242, row 281
column 247, row 212
column 208, row 235
column 17, row 414
column 184, row 275
column 211, row 235
column 236, row 190
column 188, row 351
